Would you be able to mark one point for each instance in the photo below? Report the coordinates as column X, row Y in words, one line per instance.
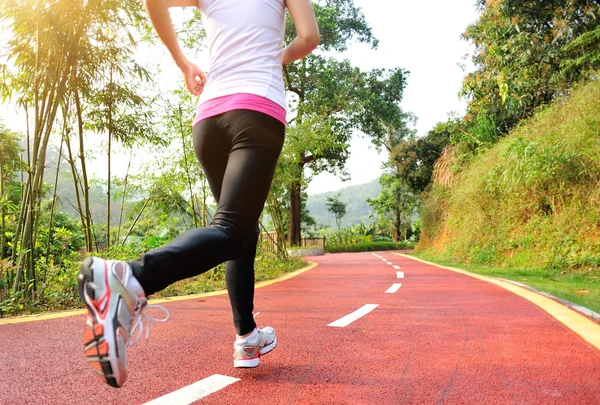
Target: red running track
column 442, row 338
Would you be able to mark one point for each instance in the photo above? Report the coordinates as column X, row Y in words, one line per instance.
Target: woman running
column 238, row 134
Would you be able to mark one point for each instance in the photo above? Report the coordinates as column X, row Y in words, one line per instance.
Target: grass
column 582, row 288
column 368, row 247
column 528, row 208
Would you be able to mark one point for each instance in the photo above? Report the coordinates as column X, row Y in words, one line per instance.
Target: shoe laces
column 140, row 314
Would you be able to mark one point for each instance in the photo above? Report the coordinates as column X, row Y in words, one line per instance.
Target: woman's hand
column 194, row 77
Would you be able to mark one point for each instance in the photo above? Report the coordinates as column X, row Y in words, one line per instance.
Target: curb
column 75, row 312
column 585, row 311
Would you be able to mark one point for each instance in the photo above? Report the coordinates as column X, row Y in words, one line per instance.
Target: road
column 429, row 336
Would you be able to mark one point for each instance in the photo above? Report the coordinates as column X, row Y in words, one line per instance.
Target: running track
column 442, row 338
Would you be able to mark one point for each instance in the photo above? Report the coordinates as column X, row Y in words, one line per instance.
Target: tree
column 521, row 48
column 55, row 50
column 415, row 157
column 329, row 100
column 118, row 110
column 395, row 204
column 337, row 208
column 583, row 53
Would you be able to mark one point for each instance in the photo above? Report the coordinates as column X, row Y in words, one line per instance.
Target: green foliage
column 530, row 201
column 337, row 208
column 415, row 157
column 370, row 247
column 527, row 53
column 10, row 189
column 395, row 205
column 329, row 100
column 361, row 238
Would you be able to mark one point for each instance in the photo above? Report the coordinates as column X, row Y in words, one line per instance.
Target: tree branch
column 296, row 90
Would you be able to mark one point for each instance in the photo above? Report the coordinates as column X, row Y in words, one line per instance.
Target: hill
column 355, row 197
column 532, row 200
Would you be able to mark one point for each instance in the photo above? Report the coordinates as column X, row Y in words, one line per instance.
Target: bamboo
column 110, row 130
column 135, row 221
column 53, row 205
column 2, row 221
column 86, row 188
column 187, row 170
column 123, row 197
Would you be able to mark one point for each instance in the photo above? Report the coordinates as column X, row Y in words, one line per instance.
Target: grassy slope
column 528, row 209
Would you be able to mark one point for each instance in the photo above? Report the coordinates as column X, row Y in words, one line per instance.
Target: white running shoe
column 114, row 300
column 247, row 352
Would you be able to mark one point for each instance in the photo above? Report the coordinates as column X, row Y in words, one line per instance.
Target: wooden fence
column 270, row 240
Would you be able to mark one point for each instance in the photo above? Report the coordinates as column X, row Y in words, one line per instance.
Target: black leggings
column 238, row 152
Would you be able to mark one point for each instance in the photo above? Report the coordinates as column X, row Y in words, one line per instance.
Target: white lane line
column 390, row 263
column 394, row 288
column 397, row 267
column 195, row 391
column 400, row 274
column 348, row 319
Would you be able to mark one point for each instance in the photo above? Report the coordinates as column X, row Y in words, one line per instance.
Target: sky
column 423, row 37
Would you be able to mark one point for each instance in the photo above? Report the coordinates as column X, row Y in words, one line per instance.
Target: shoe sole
column 96, row 333
column 253, row 363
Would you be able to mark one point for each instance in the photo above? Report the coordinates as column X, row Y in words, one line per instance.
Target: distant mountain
column 355, row 197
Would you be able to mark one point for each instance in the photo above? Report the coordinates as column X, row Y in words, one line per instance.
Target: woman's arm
column 307, row 31
column 158, row 10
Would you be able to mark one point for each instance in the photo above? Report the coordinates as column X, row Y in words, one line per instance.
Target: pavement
column 441, row 337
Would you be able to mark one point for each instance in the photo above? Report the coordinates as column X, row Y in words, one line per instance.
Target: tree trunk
column 2, row 222
column 87, row 228
column 110, row 136
column 71, row 161
column 276, row 212
column 136, row 220
column 53, row 205
column 123, row 197
column 294, row 232
column 108, row 186
column 187, row 169
column 397, row 224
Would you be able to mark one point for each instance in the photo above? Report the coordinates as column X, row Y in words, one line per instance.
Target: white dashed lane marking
column 348, row 319
column 394, row 288
column 195, row 391
column 397, row 267
column 400, row 274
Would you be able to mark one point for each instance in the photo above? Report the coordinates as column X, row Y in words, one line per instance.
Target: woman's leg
column 247, row 145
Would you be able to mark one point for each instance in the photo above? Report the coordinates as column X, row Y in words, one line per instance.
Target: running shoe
column 247, row 352
column 114, row 300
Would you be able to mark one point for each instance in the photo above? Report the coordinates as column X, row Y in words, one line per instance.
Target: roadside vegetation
column 516, row 192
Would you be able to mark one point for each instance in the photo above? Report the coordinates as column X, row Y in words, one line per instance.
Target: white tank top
column 245, row 43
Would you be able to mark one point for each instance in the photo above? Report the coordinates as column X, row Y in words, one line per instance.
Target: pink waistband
column 240, row 101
